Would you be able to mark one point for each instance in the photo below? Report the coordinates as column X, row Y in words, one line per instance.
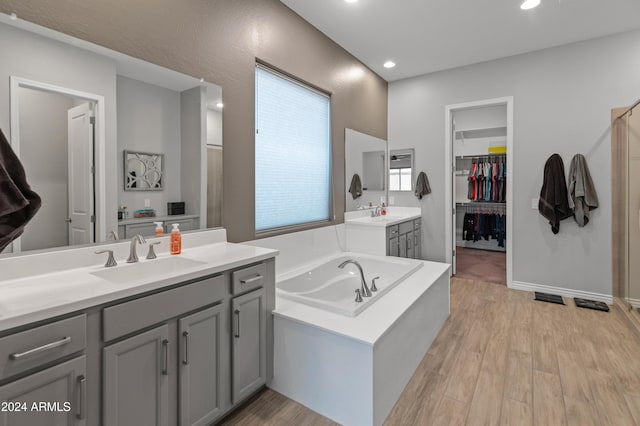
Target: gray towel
column 356, row 186
column 422, row 185
column 582, row 193
column 18, row 203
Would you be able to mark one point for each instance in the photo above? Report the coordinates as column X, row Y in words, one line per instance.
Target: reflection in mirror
column 71, row 121
column 365, row 163
column 401, row 170
column 143, row 171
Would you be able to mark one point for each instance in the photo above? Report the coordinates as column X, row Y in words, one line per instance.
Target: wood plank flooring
column 504, row 359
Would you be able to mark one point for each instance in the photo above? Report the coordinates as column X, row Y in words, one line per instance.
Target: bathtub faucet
column 365, row 290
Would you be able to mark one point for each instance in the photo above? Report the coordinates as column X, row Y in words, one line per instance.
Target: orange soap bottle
column 176, row 240
column 159, row 231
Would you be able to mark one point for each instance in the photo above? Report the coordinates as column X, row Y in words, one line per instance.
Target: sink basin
column 146, row 269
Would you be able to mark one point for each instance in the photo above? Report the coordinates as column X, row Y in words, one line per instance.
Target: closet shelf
column 481, row 156
column 483, row 132
column 481, row 203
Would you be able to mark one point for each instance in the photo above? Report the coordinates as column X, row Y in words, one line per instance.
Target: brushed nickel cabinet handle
column 251, row 280
column 34, row 351
column 81, row 382
column 237, row 330
column 185, row 336
column 165, row 364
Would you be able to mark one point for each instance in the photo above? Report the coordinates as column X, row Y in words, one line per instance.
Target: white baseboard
column 566, row 292
column 633, row 302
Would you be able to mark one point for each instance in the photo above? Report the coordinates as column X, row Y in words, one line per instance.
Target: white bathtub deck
column 353, row 369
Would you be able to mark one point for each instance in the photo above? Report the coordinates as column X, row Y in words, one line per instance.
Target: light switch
column 147, row 202
column 534, row 203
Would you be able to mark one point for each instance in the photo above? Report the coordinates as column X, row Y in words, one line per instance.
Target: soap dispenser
column 383, row 210
column 176, row 239
column 159, row 231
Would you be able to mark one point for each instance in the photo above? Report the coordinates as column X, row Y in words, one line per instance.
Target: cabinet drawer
column 136, row 314
column 392, row 231
column 405, row 227
column 248, row 278
column 37, row 346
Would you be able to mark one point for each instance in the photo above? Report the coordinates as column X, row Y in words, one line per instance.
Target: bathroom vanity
column 399, row 233
column 183, row 346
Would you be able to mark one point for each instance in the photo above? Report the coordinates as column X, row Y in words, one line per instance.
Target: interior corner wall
column 562, row 103
column 219, row 40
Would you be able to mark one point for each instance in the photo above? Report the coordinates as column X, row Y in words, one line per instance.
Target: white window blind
column 292, row 153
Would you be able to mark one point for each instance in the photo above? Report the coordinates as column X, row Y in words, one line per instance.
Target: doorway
column 479, row 158
column 53, row 132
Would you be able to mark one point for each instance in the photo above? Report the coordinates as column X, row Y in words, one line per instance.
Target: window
column 400, row 179
column 292, row 152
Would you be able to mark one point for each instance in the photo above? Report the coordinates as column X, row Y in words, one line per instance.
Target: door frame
column 99, row 141
column 449, row 164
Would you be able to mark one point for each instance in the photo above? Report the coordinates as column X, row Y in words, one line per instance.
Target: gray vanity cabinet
column 405, row 239
column 203, row 364
column 62, row 386
column 249, row 331
column 136, row 383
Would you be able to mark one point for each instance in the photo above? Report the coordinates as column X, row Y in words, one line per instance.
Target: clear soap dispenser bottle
column 176, row 240
column 159, row 231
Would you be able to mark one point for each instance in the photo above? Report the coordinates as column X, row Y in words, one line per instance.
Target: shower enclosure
column 625, row 156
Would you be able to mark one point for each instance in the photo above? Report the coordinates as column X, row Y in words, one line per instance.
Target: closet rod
column 628, row 110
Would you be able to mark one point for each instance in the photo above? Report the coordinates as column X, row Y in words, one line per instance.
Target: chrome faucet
column 133, row 255
column 376, row 212
column 364, row 290
column 112, row 235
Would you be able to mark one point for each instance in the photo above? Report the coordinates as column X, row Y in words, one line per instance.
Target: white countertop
column 33, row 298
column 394, row 216
column 373, row 322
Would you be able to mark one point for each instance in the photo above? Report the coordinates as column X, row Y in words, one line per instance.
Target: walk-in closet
column 480, row 192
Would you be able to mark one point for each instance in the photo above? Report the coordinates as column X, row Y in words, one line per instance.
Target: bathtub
column 328, row 287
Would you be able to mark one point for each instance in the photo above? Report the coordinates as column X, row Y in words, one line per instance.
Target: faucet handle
column 358, row 296
column 373, row 284
column 152, row 253
column 111, row 261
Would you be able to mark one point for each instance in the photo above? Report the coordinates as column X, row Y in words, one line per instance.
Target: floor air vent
column 551, row 298
column 591, row 304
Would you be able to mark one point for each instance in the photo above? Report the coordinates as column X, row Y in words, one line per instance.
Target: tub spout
column 365, row 289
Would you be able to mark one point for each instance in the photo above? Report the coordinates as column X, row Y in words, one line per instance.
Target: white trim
column 100, row 142
column 448, row 170
column 566, row 292
column 635, row 303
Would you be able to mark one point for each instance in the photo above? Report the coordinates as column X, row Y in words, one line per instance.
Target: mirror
column 143, row 171
column 365, row 160
column 73, row 111
column 401, row 170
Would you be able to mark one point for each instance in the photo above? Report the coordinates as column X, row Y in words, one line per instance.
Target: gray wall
column 220, row 40
column 562, row 102
column 193, row 156
column 43, row 152
column 30, row 56
column 149, row 121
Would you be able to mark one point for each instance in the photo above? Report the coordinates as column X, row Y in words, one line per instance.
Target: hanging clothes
column 484, row 226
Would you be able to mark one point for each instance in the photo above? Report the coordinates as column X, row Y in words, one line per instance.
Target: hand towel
column 583, row 197
column 356, row 186
column 18, row 203
column 422, row 186
column 553, row 204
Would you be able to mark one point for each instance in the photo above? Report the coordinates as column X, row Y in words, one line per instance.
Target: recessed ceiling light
column 219, row 104
column 350, row 1
column 529, row 4
column 389, row 64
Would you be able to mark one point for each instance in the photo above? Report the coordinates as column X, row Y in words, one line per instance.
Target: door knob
column 68, row 220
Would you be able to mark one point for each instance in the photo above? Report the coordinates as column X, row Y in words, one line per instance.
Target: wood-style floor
column 481, row 265
column 504, row 359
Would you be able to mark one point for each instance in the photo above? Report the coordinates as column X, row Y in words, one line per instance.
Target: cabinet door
column 204, row 365
column 392, row 250
column 135, row 376
column 410, row 246
column 402, row 243
column 62, row 388
column 417, row 244
column 249, row 329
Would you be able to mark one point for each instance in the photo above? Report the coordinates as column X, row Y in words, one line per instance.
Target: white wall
column 562, row 102
column 43, row 152
column 33, row 57
column 149, row 121
column 193, row 151
column 214, row 127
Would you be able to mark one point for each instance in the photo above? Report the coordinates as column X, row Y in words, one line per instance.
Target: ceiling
column 424, row 36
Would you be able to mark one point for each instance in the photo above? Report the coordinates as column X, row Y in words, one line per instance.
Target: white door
column 81, row 216
column 454, row 220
